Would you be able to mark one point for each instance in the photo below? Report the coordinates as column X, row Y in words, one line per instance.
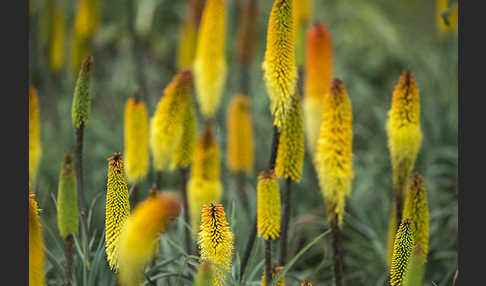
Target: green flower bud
column 67, row 199
column 82, row 101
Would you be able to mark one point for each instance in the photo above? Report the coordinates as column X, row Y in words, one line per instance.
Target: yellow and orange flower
column 210, row 63
column 136, row 140
column 403, row 129
column 117, row 207
column 140, row 234
column 166, row 126
column 280, row 72
column 204, row 186
column 318, row 76
column 240, row 134
column 333, row 157
column 268, row 205
column 216, row 241
column 36, row 245
column 290, row 153
column 35, row 148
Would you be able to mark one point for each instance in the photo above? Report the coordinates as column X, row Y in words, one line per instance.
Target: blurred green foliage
column 373, row 42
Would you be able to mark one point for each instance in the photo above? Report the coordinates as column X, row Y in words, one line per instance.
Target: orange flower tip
column 186, row 75
column 172, row 204
column 88, row 64
column 153, row 192
column 318, row 30
column 337, row 86
column 306, row 283
column 68, row 158
column 417, row 181
column 267, row 174
column 407, row 78
column 117, row 157
column 207, row 136
column 136, row 97
column 406, row 223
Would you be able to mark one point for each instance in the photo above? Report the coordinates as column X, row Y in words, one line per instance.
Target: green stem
column 285, row 221
column 68, row 251
column 184, row 175
column 337, row 254
column 268, row 261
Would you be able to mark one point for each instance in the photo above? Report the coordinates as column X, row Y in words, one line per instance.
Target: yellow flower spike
column 275, row 270
column 67, row 199
column 87, row 18
column 280, row 72
column 117, row 207
column 417, row 211
column 302, row 10
column 136, row 140
column 247, row 30
column 166, row 126
column 35, row 147
column 206, row 163
column 184, row 152
column 186, row 48
column 204, row 186
column 333, row 156
column 215, row 240
column 402, row 250
column 318, row 76
column 403, row 130
column 240, row 134
column 268, row 205
column 290, row 153
column 210, row 63
column 306, row 283
column 56, row 51
column 36, row 245
column 139, row 237
column 452, row 17
column 204, row 275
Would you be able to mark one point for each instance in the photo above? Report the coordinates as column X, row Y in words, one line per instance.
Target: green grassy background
column 373, row 42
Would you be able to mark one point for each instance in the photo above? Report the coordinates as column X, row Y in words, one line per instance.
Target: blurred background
column 135, row 46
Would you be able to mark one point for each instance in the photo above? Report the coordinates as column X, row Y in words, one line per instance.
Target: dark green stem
column 68, row 252
column 268, row 261
column 79, row 184
column 337, row 254
column 285, row 221
column 249, row 247
column 134, row 197
column 240, row 188
column 158, row 180
column 184, row 175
